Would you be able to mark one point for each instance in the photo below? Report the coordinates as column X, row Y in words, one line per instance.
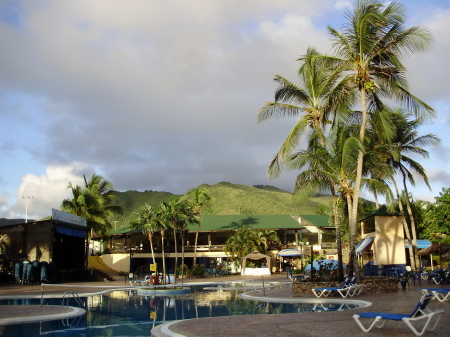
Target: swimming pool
column 125, row 313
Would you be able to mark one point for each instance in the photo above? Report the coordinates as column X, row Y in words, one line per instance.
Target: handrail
column 74, row 295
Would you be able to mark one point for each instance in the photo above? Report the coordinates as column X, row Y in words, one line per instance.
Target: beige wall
column 389, row 242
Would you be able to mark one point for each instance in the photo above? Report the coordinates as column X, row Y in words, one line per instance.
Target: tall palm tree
column 94, row 203
column 315, row 100
column 201, row 198
column 147, row 223
column 406, row 141
column 368, row 51
column 329, row 168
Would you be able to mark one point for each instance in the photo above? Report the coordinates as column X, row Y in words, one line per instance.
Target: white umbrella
column 290, row 252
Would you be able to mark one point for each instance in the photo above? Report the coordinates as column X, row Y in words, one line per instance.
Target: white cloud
column 39, row 194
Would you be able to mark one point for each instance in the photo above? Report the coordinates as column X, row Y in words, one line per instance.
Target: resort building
column 128, row 250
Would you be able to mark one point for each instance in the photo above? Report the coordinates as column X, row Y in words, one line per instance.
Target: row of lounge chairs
column 420, row 314
column 348, row 288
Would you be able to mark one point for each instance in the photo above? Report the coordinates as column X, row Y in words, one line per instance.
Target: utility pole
column 26, row 208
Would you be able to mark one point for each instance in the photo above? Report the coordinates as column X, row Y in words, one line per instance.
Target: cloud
column 37, row 195
column 160, row 97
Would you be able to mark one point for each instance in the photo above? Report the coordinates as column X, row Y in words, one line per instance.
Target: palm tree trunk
column 352, row 255
column 182, row 259
column 176, row 249
column 163, row 257
column 195, row 245
column 337, row 226
column 405, row 225
column 413, row 246
column 150, row 239
column 357, row 188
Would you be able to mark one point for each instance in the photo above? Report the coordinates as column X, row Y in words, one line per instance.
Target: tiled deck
column 322, row 324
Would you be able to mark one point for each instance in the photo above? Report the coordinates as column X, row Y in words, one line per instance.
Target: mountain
column 243, row 199
column 228, row 199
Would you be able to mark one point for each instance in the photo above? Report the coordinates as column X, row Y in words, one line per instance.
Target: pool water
column 124, row 313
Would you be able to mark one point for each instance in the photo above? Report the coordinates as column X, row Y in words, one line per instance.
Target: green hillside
column 228, row 199
column 132, row 201
column 243, row 199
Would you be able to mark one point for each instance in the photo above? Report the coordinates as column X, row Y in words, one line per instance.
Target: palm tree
column 407, row 140
column 316, row 100
column 368, row 52
column 329, row 168
column 94, row 203
column 266, row 238
column 177, row 213
column 200, row 198
column 243, row 242
column 147, row 223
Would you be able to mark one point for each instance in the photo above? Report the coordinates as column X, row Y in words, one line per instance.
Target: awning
column 70, row 231
column 290, row 252
column 421, row 244
column 363, row 244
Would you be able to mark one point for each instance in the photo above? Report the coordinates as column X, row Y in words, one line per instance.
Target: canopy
column 421, row 244
column 436, row 248
column 333, row 264
column 256, row 256
column 290, row 252
column 362, row 245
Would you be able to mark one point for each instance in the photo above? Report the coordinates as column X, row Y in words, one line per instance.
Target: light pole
column 26, row 208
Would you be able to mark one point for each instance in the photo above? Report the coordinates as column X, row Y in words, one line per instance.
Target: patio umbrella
column 326, row 263
column 290, row 252
column 436, row 248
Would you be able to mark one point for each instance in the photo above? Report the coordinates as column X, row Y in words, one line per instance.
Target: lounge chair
column 343, row 290
column 441, row 294
column 420, row 312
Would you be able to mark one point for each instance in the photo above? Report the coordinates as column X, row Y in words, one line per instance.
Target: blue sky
column 163, row 95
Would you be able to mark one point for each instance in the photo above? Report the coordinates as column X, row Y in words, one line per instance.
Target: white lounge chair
column 420, row 312
column 441, row 294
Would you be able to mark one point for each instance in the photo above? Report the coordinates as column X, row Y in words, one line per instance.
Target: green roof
column 122, row 230
column 317, row 220
column 211, row 223
column 382, row 211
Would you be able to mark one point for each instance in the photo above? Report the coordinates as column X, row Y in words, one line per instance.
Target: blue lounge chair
column 343, row 290
column 420, row 312
column 441, row 294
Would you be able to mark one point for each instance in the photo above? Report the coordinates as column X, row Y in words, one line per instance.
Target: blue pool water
column 124, row 313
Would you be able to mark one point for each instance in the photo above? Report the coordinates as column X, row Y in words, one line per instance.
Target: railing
column 74, row 295
column 202, row 248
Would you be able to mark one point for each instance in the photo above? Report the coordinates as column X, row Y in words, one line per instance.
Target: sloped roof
column 211, row 223
column 317, row 220
column 382, row 211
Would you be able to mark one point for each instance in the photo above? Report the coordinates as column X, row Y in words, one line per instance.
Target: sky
column 163, row 95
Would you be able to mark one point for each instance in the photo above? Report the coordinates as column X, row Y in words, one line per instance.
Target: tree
column 241, row 243
column 94, row 203
column 368, row 52
column 315, row 100
column 329, row 168
column 177, row 213
column 200, row 198
column 267, row 238
column 436, row 220
column 147, row 222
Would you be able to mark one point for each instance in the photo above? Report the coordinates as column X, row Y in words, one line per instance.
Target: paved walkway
column 278, row 325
